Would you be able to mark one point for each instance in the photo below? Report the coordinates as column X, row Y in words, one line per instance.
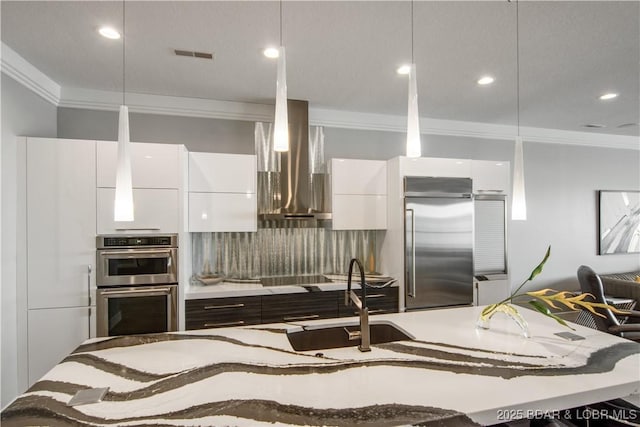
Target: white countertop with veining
column 251, row 376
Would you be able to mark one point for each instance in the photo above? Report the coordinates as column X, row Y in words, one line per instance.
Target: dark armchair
column 590, row 283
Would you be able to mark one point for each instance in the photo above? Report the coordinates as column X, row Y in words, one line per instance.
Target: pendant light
column 518, row 199
column 414, row 148
column 281, row 121
column 123, row 204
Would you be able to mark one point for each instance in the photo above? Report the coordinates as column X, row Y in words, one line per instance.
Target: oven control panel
column 123, row 241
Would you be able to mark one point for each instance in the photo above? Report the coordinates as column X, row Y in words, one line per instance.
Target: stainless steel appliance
column 137, row 278
column 438, row 242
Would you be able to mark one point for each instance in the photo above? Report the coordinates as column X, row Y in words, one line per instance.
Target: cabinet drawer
column 221, row 312
column 379, row 301
column 299, row 307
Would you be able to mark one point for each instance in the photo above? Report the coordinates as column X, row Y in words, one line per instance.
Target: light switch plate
column 91, row 395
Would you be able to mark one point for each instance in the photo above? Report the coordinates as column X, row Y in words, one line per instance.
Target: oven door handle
column 135, row 253
column 150, row 292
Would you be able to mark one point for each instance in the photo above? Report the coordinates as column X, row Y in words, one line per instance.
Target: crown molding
column 25, row 73
column 19, row 69
column 168, row 105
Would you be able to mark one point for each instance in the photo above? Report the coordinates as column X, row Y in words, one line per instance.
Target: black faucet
column 364, row 335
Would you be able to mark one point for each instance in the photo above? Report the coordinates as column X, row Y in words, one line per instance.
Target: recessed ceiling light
column 608, row 96
column 109, row 33
column 271, row 52
column 594, row 125
column 404, row 69
column 486, row 80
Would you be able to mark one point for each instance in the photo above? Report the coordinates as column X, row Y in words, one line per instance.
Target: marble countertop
column 451, row 374
column 235, row 289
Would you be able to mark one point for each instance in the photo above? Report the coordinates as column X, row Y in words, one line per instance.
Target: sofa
column 622, row 285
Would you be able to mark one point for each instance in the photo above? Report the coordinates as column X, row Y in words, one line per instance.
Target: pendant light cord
column 412, row 32
column 280, row 22
column 518, row 65
column 123, row 50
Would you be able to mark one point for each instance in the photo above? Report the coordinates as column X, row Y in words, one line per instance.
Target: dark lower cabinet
column 296, row 307
column 379, row 301
column 299, row 307
column 221, row 312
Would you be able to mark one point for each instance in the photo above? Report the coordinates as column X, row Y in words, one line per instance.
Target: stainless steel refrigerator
column 438, row 242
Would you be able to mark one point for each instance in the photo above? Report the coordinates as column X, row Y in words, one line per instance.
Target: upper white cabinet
column 156, row 210
column 433, row 166
column 222, row 173
column 222, row 212
column 354, row 176
column 152, row 165
column 61, row 221
column 490, row 176
column 222, row 192
column 156, row 178
column 359, row 194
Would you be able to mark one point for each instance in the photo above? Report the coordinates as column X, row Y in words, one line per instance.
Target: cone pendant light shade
column 281, row 122
column 518, row 201
column 414, row 148
column 123, row 206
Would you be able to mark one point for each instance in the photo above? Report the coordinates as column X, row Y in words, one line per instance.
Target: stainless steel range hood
column 303, row 192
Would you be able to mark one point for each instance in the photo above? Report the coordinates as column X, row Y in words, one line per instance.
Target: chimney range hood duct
column 303, row 192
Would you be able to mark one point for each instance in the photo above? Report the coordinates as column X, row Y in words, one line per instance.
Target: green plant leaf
column 538, row 269
column 545, row 310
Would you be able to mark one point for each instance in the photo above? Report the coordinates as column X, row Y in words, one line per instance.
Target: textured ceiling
column 342, row 55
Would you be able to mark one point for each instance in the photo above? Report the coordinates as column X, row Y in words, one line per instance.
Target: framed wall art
column 618, row 222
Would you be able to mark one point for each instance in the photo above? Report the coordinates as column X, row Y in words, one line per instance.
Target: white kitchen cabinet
column 490, row 177
column 155, row 210
column 209, row 212
column 222, row 192
column 54, row 333
column 434, row 166
column 61, row 222
column 152, row 165
column 353, row 176
column 359, row 194
column 222, row 173
column 490, row 291
column 359, row 212
column 60, row 206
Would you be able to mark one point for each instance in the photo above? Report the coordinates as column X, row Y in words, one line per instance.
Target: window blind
column 489, row 247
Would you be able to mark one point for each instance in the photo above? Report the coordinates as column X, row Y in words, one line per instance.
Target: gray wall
column 23, row 113
column 197, row 134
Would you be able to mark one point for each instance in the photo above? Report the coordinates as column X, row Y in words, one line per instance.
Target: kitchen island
column 450, row 374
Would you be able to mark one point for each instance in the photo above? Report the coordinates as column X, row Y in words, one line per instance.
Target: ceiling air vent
column 193, row 54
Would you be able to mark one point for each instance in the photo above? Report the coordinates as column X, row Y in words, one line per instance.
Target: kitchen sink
column 323, row 337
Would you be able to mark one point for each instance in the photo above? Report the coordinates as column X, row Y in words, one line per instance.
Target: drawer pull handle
column 376, row 296
column 217, row 307
column 294, row 318
column 218, row 325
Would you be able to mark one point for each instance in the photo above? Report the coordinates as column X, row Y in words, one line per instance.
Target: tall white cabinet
column 61, row 228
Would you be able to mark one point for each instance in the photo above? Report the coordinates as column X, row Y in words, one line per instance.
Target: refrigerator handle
column 411, row 286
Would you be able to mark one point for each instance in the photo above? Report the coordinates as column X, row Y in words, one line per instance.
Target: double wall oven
column 137, row 284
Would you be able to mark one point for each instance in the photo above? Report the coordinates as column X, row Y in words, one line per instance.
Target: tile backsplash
column 282, row 252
